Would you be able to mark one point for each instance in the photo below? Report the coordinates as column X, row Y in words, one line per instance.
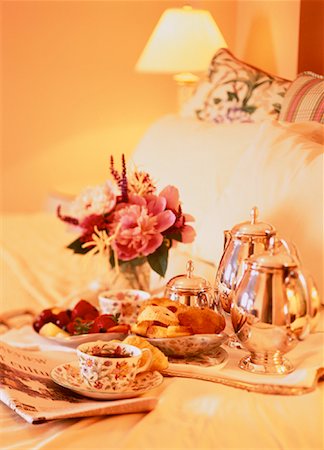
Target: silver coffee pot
column 243, row 240
column 270, row 311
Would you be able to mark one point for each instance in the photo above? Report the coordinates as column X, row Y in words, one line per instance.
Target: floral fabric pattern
column 237, row 92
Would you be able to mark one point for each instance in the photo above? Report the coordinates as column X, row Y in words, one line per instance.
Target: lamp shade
column 184, row 40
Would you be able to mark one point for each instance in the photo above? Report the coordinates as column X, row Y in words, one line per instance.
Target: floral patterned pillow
column 236, row 92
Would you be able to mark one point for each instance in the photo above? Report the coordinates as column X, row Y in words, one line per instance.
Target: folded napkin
column 26, row 338
column 307, row 358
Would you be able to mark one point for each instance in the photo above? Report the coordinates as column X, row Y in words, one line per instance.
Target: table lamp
column 183, row 41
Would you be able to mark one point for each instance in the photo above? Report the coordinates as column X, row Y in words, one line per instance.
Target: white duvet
column 222, row 171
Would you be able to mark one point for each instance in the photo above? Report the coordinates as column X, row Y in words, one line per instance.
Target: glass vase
column 129, row 276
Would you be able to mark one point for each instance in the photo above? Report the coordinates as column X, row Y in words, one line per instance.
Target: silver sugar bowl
column 270, row 310
column 189, row 289
column 243, row 240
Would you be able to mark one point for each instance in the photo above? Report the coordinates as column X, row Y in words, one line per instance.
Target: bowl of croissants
column 179, row 330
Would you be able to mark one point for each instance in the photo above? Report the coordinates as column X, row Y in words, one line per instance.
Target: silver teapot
column 270, row 311
column 243, row 240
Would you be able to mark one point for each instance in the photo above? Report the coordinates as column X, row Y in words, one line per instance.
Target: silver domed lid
column 274, row 258
column 253, row 227
column 188, row 282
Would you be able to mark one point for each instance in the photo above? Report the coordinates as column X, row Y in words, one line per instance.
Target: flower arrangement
column 128, row 221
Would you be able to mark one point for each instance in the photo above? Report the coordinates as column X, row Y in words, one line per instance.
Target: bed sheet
column 191, row 414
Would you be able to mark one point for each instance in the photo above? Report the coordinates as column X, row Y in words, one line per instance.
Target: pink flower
column 139, row 225
column 171, row 196
column 127, row 220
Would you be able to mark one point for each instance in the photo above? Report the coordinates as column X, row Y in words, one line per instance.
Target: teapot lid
column 253, row 227
column 274, row 258
column 188, row 282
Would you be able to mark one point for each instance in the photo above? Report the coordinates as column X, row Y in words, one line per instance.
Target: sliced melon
column 52, row 330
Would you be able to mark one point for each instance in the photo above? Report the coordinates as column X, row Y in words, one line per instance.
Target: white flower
column 99, row 199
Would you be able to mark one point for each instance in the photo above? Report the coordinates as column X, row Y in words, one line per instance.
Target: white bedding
column 221, row 171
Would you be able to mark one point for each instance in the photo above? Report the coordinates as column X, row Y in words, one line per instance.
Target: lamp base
column 185, row 79
column 186, row 83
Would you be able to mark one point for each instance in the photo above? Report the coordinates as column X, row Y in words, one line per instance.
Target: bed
column 222, row 169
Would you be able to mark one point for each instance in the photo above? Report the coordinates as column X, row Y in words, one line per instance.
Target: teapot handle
column 297, row 274
column 291, row 249
column 227, row 238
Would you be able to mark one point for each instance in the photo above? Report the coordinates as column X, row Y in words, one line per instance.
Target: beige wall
column 267, row 35
column 70, row 94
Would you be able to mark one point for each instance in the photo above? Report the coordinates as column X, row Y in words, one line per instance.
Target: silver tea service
column 270, row 310
column 243, row 240
column 189, row 289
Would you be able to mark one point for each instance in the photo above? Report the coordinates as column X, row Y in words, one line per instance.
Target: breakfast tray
column 307, row 357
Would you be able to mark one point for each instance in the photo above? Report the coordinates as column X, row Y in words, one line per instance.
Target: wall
column 267, row 35
column 311, row 36
column 71, row 96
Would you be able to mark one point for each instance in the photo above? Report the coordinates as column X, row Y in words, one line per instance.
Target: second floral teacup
column 111, row 366
column 124, row 303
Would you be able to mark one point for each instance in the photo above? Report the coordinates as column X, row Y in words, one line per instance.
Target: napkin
column 26, row 338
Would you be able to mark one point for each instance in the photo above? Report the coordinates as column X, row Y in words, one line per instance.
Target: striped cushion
column 304, row 99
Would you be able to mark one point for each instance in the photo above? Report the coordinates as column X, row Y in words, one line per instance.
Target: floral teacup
column 111, row 366
column 125, row 303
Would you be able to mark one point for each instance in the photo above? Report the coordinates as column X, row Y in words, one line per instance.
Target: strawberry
column 62, row 319
column 44, row 317
column 92, row 315
column 37, row 325
column 103, row 323
column 84, row 310
column 79, row 326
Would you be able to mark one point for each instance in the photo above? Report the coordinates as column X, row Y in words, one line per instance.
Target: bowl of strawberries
column 80, row 324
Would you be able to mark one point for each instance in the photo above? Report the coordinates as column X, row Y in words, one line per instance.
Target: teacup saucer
column 68, row 376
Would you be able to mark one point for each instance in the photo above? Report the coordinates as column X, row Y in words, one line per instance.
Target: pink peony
column 126, row 216
column 171, row 196
column 139, row 225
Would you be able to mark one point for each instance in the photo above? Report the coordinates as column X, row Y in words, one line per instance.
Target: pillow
column 236, row 92
column 304, row 100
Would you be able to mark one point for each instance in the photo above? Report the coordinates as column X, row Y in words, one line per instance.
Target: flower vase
column 129, row 276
